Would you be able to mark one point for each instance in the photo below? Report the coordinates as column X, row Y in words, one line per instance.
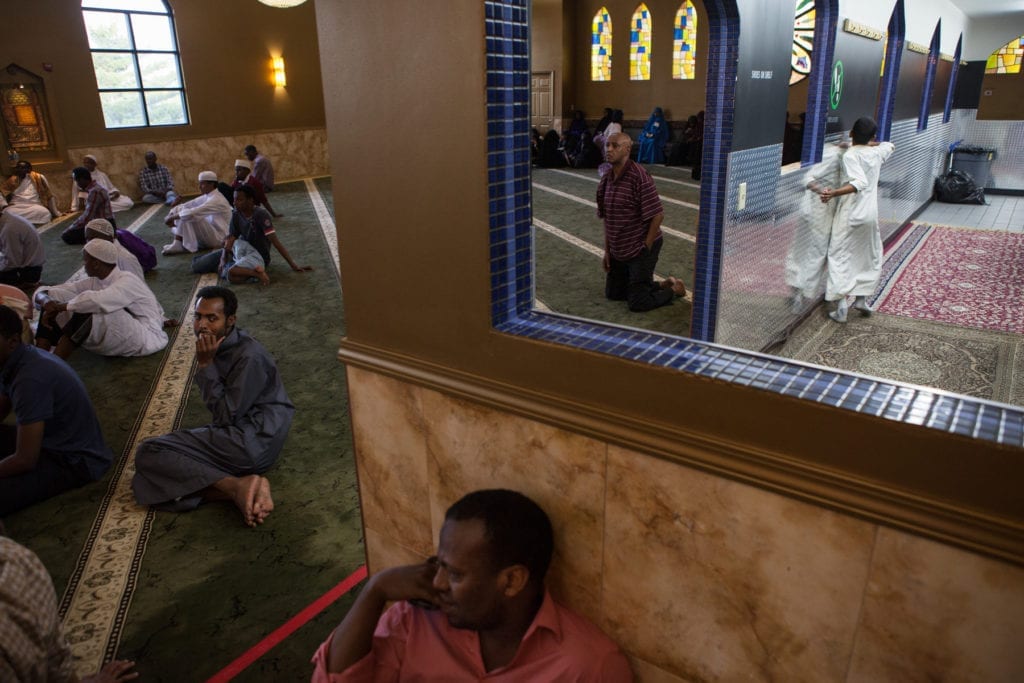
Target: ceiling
column 977, row 9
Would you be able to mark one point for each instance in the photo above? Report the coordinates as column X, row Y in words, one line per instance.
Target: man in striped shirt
column 628, row 202
column 97, row 205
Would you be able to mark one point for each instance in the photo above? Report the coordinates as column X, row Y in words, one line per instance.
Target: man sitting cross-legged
column 247, row 246
column 56, row 444
column 242, row 388
column 21, row 251
column 110, row 312
column 478, row 610
column 200, row 223
column 29, row 194
column 97, row 205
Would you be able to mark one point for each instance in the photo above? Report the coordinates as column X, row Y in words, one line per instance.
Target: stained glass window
column 601, row 46
column 135, row 58
column 1006, row 60
column 885, row 49
column 684, row 42
column 640, row 44
column 803, row 41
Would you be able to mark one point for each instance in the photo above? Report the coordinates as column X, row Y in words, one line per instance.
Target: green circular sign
column 836, row 90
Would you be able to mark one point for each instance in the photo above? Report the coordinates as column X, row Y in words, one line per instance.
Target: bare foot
column 678, row 288
column 244, row 497
column 264, row 504
column 262, row 275
column 170, row 322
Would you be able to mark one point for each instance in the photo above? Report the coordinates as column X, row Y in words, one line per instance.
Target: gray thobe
column 251, row 416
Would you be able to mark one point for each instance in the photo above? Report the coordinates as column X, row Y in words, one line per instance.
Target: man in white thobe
column 201, row 223
column 100, row 228
column 21, row 251
column 109, row 312
column 29, row 195
column 118, row 201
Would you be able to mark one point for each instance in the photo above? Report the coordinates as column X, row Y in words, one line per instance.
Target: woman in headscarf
column 653, row 138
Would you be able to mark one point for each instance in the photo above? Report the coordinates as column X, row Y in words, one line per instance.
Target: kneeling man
column 477, row 610
column 223, row 460
column 110, row 312
column 56, row 444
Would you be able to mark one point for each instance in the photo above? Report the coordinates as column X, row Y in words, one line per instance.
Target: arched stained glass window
column 885, row 49
column 135, row 58
column 684, row 42
column 601, row 46
column 1006, row 60
column 640, row 44
column 803, row 41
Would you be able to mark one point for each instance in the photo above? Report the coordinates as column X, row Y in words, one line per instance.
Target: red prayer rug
column 971, row 278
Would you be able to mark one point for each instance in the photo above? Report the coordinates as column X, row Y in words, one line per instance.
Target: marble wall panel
column 715, row 580
column 391, row 458
column 471, row 447
column 294, row 153
column 935, row 613
column 382, row 552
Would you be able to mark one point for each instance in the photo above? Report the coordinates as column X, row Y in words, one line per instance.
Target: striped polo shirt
column 627, row 204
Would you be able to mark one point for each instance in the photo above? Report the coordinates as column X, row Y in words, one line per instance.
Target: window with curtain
column 1006, row 60
column 640, row 44
column 601, row 46
column 803, row 41
column 684, row 42
column 135, row 58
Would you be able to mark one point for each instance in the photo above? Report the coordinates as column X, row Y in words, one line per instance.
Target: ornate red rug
column 971, row 278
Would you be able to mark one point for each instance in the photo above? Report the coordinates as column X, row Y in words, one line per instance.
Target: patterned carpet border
column 100, row 589
column 959, row 276
column 898, row 257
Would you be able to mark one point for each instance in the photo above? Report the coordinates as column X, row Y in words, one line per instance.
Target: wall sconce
column 279, row 77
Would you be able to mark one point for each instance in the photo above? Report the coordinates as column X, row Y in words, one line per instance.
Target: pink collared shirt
column 415, row 644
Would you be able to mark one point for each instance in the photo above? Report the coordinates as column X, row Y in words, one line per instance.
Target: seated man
column 244, row 176
column 29, row 195
column 141, row 250
column 200, row 223
column 223, row 460
column 254, row 225
column 156, row 183
column 101, row 229
column 21, row 251
column 56, row 444
column 261, row 167
column 478, row 609
column 110, row 312
column 118, row 201
column 97, row 205
column 32, row 644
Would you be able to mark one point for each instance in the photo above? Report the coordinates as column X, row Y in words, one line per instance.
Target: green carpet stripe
column 100, row 592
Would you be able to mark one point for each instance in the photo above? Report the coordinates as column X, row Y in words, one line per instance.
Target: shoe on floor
column 174, row 247
column 861, row 304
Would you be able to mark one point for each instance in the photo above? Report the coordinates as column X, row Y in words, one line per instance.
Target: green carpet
column 208, row 587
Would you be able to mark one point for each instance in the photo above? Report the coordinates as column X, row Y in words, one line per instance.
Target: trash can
column 976, row 161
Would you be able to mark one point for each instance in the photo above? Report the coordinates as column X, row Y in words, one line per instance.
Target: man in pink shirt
column 477, row 610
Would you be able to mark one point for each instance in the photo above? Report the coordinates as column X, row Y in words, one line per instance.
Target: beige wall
column 697, row 577
column 225, row 51
column 1002, row 97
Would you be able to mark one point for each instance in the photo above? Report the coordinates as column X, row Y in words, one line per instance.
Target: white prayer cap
column 89, row 156
column 100, row 225
column 208, row 176
column 102, row 250
column 244, row 163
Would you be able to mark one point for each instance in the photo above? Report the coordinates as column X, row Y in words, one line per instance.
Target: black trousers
column 19, row 276
column 48, row 478
column 632, row 281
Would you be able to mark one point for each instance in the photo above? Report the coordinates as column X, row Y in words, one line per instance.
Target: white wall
column 920, row 16
column 986, row 35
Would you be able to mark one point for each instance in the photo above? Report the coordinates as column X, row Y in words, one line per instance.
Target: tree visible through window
column 684, row 42
column 640, row 44
column 601, row 46
column 135, row 57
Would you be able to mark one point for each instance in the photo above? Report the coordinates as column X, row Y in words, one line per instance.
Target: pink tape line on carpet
column 289, row 627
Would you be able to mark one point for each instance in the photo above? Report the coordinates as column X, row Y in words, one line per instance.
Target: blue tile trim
column 893, row 55
column 511, row 248
column 723, row 54
column 820, row 79
column 929, row 77
column 951, row 91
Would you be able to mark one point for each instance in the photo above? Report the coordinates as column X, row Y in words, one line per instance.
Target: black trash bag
column 958, row 187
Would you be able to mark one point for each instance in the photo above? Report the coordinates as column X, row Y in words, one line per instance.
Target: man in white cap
column 109, row 312
column 118, row 201
column 21, row 251
column 244, row 176
column 200, row 223
column 101, row 229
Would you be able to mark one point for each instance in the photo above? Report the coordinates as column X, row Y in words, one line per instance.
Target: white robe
column 202, row 222
column 25, row 202
column 805, row 261
column 20, row 246
column 855, row 247
column 127, row 320
column 122, row 203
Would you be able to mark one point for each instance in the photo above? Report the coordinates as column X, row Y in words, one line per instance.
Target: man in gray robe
column 241, row 386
